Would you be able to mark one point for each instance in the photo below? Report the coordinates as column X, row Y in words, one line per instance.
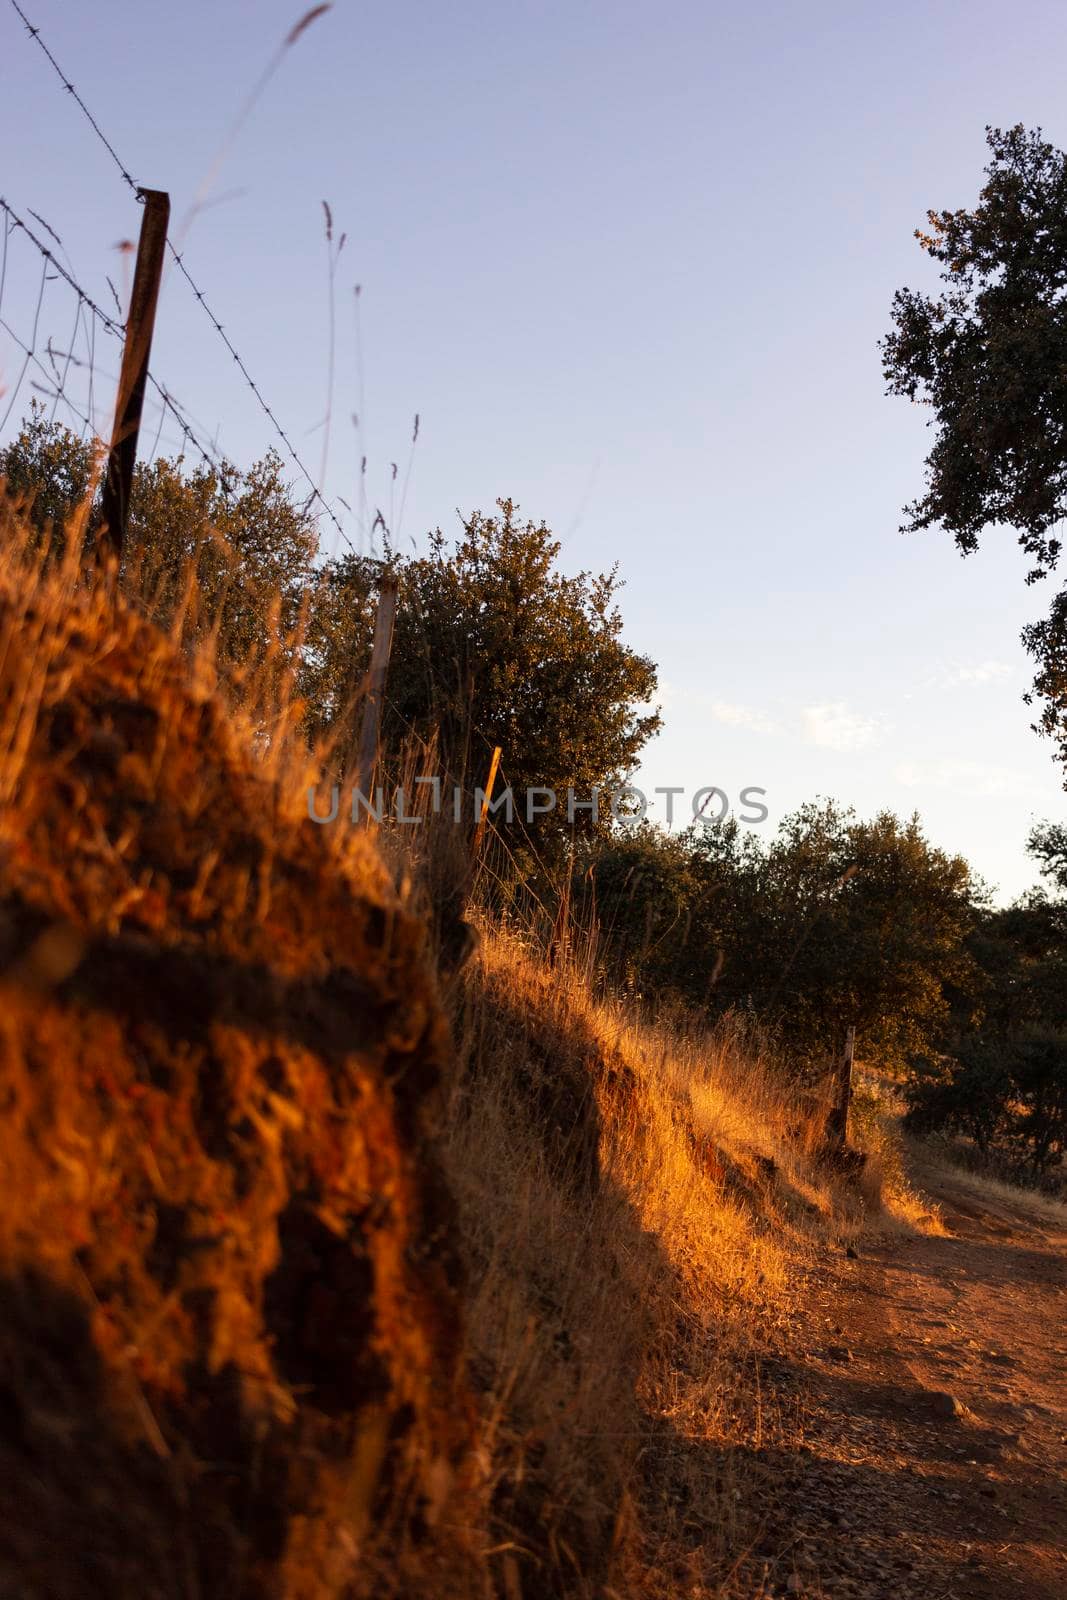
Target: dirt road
column 929, row 1380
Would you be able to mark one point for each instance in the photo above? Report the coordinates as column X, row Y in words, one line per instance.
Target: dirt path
column 930, row 1379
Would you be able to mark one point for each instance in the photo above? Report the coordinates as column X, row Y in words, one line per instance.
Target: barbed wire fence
column 72, row 374
column 65, row 348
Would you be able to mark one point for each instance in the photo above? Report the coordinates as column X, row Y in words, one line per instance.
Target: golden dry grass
column 229, row 1329
column 941, row 1156
column 633, row 1201
column 635, row 1204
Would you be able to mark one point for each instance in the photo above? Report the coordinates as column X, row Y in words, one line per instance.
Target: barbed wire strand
column 18, row 224
column 14, row 223
column 35, row 34
column 178, row 258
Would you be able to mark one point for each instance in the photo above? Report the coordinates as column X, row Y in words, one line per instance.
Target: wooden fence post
column 129, row 403
column 367, row 759
column 837, row 1122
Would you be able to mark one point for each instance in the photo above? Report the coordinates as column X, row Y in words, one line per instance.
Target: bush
column 1007, row 1091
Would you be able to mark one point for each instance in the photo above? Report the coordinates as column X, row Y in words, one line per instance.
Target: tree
column 835, row 922
column 1046, row 641
column 493, row 645
column 1048, row 846
column 48, row 468
column 250, row 547
column 864, row 923
column 989, row 356
column 666, row 904
column 248, row 544
column 1001, row 1076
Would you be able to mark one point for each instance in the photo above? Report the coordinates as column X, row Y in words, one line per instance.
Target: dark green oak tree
column 988, row 356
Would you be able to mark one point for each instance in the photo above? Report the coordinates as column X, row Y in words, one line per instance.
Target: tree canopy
column 493, row 645
column 1000, row 1076
column 835, row 921
column 988, row 355
column 250, row 547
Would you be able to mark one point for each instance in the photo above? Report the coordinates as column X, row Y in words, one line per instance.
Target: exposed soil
column 930, row 1377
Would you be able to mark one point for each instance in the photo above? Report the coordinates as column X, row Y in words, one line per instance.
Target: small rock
column 944, row 1404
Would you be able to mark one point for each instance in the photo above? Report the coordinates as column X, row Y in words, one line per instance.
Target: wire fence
column 60, row 347
column 64, row 349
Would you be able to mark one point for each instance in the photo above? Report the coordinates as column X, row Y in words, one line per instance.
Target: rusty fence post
column 367, row 758
column 129, row 403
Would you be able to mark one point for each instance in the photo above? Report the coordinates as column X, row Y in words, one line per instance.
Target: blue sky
column 629, row 264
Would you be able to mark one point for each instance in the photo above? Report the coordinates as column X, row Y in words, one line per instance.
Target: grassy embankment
column 319, row 1276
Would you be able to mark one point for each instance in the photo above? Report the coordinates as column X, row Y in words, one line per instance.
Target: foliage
column 663, row 903
column 990, row 353
column 493, row 645
column 965, row 1094
column 836, row 922
column 871, row 920
column 1008, row 1091
column 48, row 467
column 1048, row 846
column 249, row 547
column 989, row 356
column 1046, row 640
column 1001, row 1079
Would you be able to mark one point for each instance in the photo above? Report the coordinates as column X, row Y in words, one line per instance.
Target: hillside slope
column 321, row 1276
column 229, row 1325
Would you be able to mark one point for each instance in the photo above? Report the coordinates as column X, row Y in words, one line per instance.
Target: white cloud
column 963, row 777
column 835, row 727
column 743, row 717
column 983, row 672
column 675, row 697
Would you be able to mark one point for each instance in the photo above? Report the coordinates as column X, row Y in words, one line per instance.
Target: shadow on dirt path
column 931, row 1373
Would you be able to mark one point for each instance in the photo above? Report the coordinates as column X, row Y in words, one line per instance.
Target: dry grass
column 229, row 1340
column 947, row 1156
column 633, row 1201
column 877, row 1110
